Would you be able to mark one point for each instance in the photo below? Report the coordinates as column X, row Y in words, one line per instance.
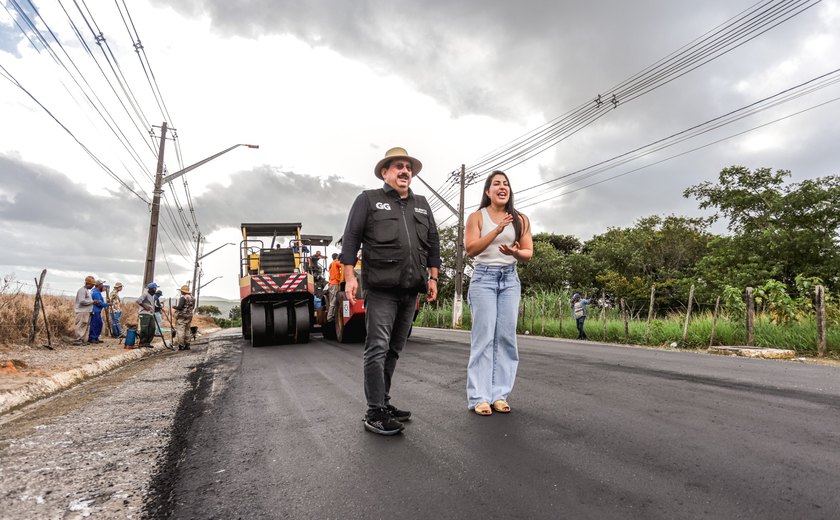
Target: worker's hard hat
column 90, row 279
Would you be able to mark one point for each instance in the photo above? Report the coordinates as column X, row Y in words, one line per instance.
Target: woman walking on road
column 497, row 237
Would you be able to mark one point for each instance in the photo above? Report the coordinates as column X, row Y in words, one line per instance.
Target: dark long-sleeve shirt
column 355, row 229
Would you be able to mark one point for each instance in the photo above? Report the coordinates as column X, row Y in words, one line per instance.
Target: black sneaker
column 381, row 422
column 396, row 413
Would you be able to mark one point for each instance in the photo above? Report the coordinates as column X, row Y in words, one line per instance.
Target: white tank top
column 491, row 255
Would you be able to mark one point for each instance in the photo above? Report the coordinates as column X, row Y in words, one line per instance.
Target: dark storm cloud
column 52, row 221
column 267, row 194
column 501, row 58
column 518, row 60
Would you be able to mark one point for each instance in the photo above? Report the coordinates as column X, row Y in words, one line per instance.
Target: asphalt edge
column 49, row 386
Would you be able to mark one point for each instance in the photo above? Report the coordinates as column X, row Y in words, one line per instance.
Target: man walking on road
column 147, row 315
column 82, row 308
column 400, row 243
column 183, row 317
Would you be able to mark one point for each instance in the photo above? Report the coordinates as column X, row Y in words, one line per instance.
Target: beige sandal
column 501, row 406
column 483, row 409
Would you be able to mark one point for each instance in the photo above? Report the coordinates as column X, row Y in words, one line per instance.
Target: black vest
column 395, row 250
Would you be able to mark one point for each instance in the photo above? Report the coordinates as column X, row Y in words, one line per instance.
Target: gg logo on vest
column 383, row 205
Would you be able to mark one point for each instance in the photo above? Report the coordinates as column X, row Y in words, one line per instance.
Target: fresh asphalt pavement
column 596, row 431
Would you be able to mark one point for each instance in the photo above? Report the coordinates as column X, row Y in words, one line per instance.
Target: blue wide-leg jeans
column 494, row 304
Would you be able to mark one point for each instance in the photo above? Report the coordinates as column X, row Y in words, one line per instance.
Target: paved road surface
column 597, row 431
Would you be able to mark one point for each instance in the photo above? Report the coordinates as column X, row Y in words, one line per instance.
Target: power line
column 723, row 39
column 692, row 150
column 784, row 96
column 87, row 150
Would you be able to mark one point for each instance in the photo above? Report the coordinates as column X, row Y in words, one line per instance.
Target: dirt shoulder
column 21, row 365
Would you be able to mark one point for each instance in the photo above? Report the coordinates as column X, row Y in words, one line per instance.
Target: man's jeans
column 388, row 318
column 581, row 332
column 494, row 304
column 116, row 326
column 158, row 324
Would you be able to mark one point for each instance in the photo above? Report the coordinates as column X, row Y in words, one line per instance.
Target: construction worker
column 158, row 312
column 82, row 308
column 99, row 303
column 116, row 310
column 336, row 277
column 146, row 303
column 183, row 317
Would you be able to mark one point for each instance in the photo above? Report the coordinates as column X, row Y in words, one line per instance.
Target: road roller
column 280, row 276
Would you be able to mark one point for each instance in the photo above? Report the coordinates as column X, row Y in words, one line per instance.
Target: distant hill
column 223, row 304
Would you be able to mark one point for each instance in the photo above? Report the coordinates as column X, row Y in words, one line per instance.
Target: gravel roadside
column 106, row 447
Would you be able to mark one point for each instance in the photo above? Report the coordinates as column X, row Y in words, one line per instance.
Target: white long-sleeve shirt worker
column 84, row 302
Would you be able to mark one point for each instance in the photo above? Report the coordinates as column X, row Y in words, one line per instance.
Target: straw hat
column 397, row 153
column 185, row 289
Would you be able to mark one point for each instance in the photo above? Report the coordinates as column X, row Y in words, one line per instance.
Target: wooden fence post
column 750, row 317
column 714, row 322
column 533, row 313
column 626, row 325
column 37, row 307
column 688, row 313
column 603, row 315
column 560, row 328
column 542, row 317
column 650, row 312
column 820, row 321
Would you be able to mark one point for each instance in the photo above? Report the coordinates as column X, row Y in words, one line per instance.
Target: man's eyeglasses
column 399, row 165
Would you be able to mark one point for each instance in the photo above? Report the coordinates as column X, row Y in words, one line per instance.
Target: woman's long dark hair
column 485, row 201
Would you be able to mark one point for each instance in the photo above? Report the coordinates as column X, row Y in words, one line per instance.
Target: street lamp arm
column 213, row 251
column 208, row 283
column 445, row 202
column 173, row 176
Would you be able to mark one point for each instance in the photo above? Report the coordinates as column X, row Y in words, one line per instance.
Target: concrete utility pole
column 194, row 287
column 151, row 246
column 458, row 304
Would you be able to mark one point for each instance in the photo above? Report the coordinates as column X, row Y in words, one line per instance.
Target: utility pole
column 149, row 274
column 458, row 304
column 151, row 247
column 194, row 287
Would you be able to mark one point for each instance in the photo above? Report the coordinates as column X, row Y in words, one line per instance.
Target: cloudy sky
column 325, row 88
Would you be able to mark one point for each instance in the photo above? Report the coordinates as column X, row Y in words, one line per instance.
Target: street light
column 151, row 246
column 208, row 283
column 197, row 258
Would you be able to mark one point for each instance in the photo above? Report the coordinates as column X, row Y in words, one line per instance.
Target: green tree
column 209, row 310
column 783, row 229
column 235, row 313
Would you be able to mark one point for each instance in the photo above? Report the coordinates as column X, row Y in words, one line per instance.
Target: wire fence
column 723, row 322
